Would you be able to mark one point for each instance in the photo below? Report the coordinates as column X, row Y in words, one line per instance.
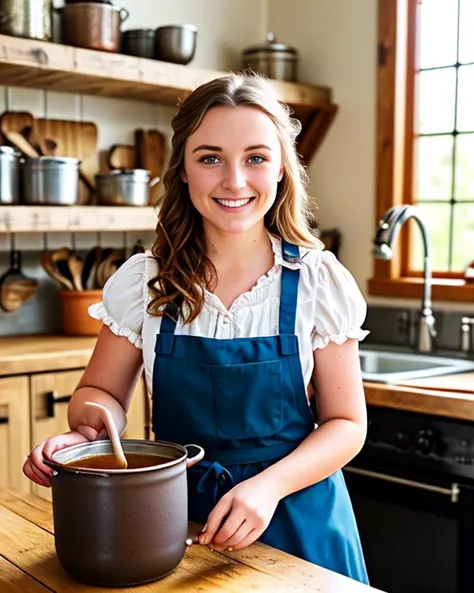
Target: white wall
column 337, row 42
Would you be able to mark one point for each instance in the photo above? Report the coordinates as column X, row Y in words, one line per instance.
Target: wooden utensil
column 15, row 287
column 122, row 156
column 75, row 265
column 50, row 268
column 151, row 148
column 112, row 432
column 15, row 121
column 20, row 142
column 93, row 258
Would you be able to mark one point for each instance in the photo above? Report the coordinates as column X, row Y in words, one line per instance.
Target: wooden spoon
column 113, row 434
column 76, row 265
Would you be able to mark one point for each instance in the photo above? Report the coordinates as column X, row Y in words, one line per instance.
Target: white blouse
column 330, row 307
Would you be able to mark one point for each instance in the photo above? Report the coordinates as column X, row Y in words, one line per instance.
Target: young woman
column 236, row 314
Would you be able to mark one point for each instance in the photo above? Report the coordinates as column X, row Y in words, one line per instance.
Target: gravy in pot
column 108, row 461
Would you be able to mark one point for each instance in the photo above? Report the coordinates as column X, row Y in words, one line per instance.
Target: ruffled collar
column 255, row 295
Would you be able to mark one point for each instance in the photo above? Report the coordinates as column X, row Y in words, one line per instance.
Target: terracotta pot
column 119, row 528
column 75, row 317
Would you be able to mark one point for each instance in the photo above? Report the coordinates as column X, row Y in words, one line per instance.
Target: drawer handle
column 52, row 399
column 4, row 420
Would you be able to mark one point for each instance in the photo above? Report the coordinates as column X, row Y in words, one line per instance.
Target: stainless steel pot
column 175, row 43
column 27, row 18
column 275, row 60
column 51, row 180
column 9, row 175
column 124, row 187
column 94, row 25
column 119, row 528
column 139, row 42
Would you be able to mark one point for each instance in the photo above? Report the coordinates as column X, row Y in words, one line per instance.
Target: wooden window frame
column 394, row 153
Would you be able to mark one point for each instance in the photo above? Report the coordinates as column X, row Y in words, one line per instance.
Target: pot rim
column 57, row 466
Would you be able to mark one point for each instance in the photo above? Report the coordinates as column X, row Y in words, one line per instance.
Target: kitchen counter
column 449, row 395
column 28, row 562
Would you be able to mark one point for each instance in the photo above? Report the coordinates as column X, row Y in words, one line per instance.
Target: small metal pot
column 124, row 187
column 275, row 60
column 27, row 18
column 51, row 180
column 94, row 25
column 9, row 175
column 119, row 528
column 139, row 42
column 175, row 43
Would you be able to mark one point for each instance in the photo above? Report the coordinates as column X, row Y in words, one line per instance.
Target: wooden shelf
column 55, row 219
column 43, row 65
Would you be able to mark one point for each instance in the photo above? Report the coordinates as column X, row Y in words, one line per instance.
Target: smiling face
column 232, row 165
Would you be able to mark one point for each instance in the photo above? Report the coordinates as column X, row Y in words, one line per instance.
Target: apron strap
column 289, row 289
column 168, row 325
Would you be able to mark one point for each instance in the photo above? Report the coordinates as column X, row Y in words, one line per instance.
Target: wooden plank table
column 28, row 562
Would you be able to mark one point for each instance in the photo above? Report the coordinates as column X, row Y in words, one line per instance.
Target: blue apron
column 244, row 401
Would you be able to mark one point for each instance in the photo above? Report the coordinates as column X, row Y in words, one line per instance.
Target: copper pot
column 119, row 528
column 94, row 25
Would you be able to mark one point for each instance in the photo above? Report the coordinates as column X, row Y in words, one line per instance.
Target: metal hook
column 12, row 241
column 45, row 241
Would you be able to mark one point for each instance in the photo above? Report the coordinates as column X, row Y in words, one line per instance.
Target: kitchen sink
column 385, row 366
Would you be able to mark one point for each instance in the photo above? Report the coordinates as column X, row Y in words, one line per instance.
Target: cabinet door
column 50, row 394
column 14, row 432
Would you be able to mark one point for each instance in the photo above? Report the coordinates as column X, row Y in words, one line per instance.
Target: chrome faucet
column 387, row 230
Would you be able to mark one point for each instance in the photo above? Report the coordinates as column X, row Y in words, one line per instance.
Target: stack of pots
column 44, row 180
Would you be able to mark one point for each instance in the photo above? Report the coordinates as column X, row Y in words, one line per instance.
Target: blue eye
column 260, row 159
column 208, row 159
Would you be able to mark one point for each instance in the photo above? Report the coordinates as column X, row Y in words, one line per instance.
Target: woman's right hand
column 34, row 467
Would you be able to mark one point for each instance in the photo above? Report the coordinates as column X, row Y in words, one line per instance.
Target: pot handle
column 124, row 14
column 154, row 181
column 190, row 461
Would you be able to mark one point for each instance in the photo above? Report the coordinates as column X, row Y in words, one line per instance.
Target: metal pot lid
column 139, row 33
column 140, row 173
column 52, row 160
column 271, row 46
column 8, row 150
column 185, row 26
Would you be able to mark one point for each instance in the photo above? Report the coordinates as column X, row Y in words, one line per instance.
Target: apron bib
column 244, row 401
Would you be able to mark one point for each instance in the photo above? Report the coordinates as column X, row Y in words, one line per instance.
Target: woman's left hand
column 249, row 507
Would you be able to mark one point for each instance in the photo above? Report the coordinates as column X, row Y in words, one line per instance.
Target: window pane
column 433, row 168
column 463, row 239
column 465, row 118
column 464, row 189
column 438, row 33
column 437, row 219
column 436, row 102
column 466, row 26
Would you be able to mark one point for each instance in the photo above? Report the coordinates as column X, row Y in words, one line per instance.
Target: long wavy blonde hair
column 184, row 270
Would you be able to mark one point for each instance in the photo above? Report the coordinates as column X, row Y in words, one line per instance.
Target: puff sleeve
column 340, row 308
column 123, row 298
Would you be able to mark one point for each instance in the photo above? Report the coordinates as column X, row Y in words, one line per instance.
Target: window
column 425, row 141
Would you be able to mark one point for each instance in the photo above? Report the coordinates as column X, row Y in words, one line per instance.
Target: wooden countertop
column 449, row 395
column 28, row 562
column 32, row 354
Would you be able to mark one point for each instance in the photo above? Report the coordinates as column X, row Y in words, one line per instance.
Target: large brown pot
column 118, row 528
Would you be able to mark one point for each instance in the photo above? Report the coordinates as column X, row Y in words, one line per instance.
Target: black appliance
column 412, row 488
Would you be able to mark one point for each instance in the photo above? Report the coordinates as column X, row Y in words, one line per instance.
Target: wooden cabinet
column 14, row 432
